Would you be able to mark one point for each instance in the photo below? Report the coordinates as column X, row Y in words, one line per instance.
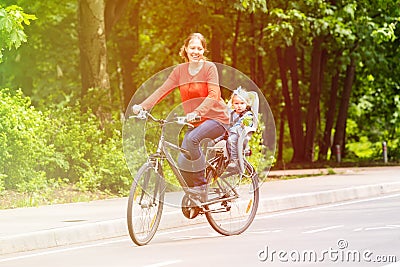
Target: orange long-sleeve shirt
column 200, row 93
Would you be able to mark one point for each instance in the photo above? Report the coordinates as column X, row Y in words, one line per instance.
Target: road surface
column 356, row 233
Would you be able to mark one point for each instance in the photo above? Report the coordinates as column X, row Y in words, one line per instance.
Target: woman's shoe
column 200, row 191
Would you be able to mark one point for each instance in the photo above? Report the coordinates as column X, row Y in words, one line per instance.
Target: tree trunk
column 298, row 133
column 330, row 112
column 302, row 64
column 128, row 46
column 294, row 133
column 340, row 130
column 281, row 137
column 285, row 92
column 216, row 40
column 260, row 66
column 313, row 105
column 93, row 50
column 253, row 51
column 216, row 46
column 324, row 60
column 330, row 117
column 235, row 39
column 113, row 12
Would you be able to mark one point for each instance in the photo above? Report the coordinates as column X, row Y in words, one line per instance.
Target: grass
column 10, row 199
column 326, row 167
column 67, row 194
column 330, row 165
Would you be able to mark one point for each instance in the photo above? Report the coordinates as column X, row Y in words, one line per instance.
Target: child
column 240, row 116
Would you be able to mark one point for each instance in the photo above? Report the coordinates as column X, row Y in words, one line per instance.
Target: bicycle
column 231, row 197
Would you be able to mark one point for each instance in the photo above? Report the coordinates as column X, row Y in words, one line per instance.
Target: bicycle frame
column 162, row 153
column 230, row 203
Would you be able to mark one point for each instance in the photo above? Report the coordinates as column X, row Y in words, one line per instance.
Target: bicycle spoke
column 233, row 216
column 145, row 204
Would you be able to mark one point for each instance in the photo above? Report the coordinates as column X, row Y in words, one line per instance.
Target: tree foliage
column 328, row 68
column 12, row 21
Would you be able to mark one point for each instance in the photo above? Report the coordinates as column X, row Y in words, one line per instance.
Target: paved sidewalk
column 26, row 229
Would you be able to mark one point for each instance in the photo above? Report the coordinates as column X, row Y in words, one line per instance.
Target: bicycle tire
column 233, row 217
column 145, row 204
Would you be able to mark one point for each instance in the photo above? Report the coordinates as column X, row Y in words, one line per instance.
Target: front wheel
column 234, row 215
column 145, row 204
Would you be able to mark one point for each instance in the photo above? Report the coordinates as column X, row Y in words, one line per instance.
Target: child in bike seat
column 240, row 116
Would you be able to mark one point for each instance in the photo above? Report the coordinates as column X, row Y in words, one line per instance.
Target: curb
column 117, row 228
column 326, row 197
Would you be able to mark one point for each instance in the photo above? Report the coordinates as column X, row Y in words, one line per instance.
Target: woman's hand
column 192, row 116
column 136, row 108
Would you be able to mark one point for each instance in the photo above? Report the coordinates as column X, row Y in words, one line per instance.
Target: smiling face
column 195, row 50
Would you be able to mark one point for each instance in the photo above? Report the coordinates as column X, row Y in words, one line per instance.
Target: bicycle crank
column 189, row 209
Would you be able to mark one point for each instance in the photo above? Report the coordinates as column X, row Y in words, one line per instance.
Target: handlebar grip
column 183, row 119
column 142, row 114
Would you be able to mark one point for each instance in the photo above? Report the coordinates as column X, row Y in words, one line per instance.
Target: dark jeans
column 193, row 169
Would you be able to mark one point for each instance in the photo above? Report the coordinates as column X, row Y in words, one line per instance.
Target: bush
column 88, row 152
column 38, row 148
column 24, row 151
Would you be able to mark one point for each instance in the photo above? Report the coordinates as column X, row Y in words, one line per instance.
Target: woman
column 198, row 83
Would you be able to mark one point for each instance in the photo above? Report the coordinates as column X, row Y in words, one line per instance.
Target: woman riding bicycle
column 198, row 83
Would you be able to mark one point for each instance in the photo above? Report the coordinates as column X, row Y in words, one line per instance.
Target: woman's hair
column 197, row 35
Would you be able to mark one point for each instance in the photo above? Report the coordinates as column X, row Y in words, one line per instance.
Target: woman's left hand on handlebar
column 136, row 108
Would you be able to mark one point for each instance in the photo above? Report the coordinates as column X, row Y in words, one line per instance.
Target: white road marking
column 188, row 237
column 60, row 250
column 395, row 264
column 161, row 264
column 36, row 254
column 264, row 231
column 382, row 227
column 320, row 207
column 323, row 229
column 183, row 230
column 394, row 225
column 389, row 226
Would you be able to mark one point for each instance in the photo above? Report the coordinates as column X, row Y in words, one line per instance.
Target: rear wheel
column 145, row 204
column 234, row 216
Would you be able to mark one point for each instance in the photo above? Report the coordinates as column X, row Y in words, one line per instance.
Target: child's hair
column 242, row 94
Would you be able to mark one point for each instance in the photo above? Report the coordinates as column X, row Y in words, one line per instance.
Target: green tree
column 297, row 53
column 47, row 67
column 12, row 21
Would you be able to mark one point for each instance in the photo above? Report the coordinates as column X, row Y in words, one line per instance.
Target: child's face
column 238, row 104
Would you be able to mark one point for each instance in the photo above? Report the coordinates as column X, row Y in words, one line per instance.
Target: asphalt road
column 357, row 233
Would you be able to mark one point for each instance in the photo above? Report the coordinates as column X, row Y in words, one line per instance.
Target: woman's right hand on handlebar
column 192, row 117
column 136, row 108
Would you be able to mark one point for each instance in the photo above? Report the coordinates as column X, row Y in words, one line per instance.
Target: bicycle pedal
column 190, row 207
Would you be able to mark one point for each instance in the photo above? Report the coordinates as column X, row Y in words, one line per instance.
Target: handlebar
column 143, row 114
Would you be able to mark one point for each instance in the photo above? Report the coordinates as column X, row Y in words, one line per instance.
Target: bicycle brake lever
column 183, row 121
column 141, row 115
column 180, row 120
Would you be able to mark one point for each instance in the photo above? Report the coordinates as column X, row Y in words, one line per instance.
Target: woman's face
column 195, row 50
